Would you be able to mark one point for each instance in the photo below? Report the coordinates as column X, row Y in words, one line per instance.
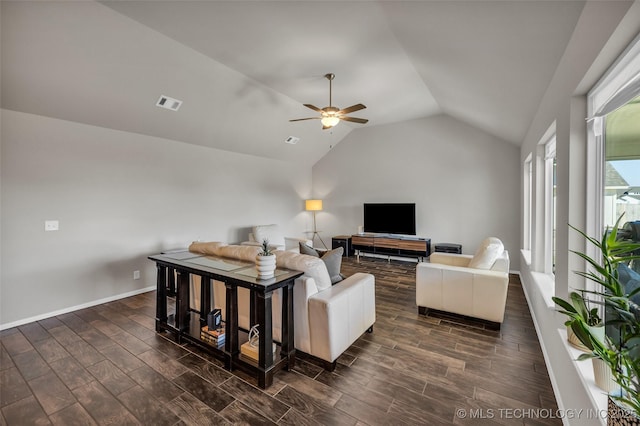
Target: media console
column 419, row 248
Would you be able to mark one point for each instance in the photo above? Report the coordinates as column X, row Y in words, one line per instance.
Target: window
column 550, row 205
column 622, row 170
column 528, row 203
column 622, row 164
column 614, row 141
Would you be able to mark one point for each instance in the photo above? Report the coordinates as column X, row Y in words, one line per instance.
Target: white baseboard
column 76, row 308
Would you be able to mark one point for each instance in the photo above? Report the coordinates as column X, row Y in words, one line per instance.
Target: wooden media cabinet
column 417, row 247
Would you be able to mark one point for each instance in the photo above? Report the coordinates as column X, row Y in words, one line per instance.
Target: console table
column 185, row 324
column 391, row 246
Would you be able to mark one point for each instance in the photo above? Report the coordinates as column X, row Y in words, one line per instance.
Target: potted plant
column 583, row 322
column 265, row 261
column 578, row 311
column 620, row 351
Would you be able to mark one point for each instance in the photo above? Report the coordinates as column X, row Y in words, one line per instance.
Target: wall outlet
column 51, row 225
column 136, row 275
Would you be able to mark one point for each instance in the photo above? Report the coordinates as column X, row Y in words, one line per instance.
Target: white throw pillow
column 490, row 249
column 313, row 267
column 270, row 233
column 211, row 247
column 247, row 253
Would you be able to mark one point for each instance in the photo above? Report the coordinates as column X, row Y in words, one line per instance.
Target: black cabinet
column 449, row 248
column 343, row 241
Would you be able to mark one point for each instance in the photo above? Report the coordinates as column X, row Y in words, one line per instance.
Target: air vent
column 168, row 103
column 292, row 140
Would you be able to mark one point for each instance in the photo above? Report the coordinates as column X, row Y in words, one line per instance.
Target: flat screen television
column 390, row 218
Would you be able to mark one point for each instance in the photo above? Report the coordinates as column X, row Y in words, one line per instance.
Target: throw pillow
column 305, row 249
column 490, row 249
column 313, row 267
column 333, row 260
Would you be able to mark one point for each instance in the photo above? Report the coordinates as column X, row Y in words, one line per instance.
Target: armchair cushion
column 487, row 254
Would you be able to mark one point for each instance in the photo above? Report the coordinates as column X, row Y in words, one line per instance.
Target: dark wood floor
column 106, row 365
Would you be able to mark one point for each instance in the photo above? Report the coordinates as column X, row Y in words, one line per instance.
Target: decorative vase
column 574, row 341
column 603, row 376
column 597, row 331
column 617, row 415
column 266, row 266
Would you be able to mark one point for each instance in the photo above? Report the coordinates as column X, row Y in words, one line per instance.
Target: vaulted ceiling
column 244, row 68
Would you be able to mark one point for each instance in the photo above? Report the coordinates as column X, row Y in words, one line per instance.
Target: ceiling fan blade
column 352, row 108
column 313, row 107
column 355, row 120
column 310, row 118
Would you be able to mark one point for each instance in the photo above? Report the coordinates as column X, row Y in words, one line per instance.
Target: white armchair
column 474, row 286
column 277, row 241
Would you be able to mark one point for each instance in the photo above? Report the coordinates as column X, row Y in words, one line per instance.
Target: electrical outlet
column 136, row 275
column 51, row 225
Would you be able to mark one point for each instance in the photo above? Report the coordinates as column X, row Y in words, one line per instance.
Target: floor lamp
column 314, row 206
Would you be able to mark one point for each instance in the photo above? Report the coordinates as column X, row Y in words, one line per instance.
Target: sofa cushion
column 312, row 267
column 271, row 233
column 490, row 249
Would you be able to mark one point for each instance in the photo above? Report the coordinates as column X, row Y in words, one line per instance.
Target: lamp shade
column 313, row 205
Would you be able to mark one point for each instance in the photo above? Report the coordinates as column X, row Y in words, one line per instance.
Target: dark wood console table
column 185, row 324
column 391, row 246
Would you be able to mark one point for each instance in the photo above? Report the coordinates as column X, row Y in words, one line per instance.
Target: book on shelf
column 213, row 332
column 212, row 341
column 214, row 337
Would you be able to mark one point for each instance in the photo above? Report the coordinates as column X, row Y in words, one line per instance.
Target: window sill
column 546, row 286
column 585, row 373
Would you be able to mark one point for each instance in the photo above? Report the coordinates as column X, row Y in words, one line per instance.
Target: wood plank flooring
column 106, row 365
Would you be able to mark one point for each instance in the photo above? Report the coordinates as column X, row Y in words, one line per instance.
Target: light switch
column 51, row 225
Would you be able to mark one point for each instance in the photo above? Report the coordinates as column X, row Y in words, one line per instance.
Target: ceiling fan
column 330, row 116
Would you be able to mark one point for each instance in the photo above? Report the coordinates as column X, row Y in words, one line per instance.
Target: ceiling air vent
column 168, row 103
column 292, row 140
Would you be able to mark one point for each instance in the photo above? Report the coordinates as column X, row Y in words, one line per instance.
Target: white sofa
column 327, row 319
column 474, row 286
column 277, row 240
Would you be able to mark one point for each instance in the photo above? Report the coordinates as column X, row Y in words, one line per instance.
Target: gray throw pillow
column 305, row 249
column 331, row 258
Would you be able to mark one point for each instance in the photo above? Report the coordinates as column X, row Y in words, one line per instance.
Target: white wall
column 120, row 197
column 603, row 31
column 464, row 182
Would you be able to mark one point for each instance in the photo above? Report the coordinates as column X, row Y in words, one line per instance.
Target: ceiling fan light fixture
column 329, row 120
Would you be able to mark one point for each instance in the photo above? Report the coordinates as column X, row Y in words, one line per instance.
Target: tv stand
column 389, row 245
